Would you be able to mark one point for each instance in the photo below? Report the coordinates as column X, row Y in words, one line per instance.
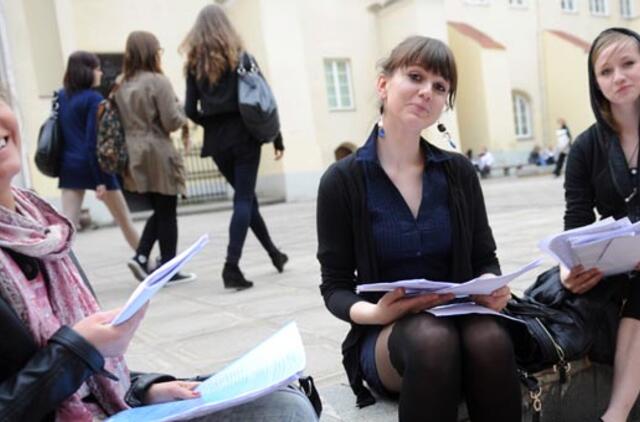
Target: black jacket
column 34, row 381
column 346, row 249
column 215, row 107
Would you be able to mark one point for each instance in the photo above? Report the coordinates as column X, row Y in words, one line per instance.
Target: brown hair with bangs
column 79, row 74
column 429, row 53
column 141, row 54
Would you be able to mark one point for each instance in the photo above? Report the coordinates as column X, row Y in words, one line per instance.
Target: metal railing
column 204, row 181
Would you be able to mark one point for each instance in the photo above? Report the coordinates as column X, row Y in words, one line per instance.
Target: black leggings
column 442, row 360
column 161, row 226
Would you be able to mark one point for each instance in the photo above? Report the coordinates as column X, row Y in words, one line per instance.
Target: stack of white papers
column 612, row 246
column 156, row 280
column 477, row 286
column 276, row 362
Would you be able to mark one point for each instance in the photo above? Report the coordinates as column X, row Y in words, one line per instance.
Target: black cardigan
column 595, row 178
column 346, row 249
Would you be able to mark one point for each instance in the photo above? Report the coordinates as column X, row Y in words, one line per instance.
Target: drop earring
column 445, row 133
column 381, row 132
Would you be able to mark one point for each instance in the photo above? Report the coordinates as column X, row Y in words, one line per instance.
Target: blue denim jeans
column 239, row 166
column 285, row 405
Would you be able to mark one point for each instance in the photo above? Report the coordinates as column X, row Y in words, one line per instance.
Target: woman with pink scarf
column 60, row 360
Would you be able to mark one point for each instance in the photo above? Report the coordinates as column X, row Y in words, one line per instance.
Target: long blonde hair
column 212, row 46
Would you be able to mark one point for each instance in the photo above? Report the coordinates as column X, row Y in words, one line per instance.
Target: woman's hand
column 579, row 280
column 171, row 391
column 109, row 340
column 100, row 192
column 394, row 305
column 497, row 300
column 186, row 139
column 277, row 153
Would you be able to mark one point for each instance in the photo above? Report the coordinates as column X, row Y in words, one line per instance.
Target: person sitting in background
column 485, row 161
column 534, row 155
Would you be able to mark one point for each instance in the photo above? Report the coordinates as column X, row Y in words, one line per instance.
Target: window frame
column 594, row 3
column 573, row 6
column 333, row 61
column 629, row 8
column 517, row 99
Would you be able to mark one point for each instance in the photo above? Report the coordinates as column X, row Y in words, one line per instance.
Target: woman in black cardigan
column 400, row 208
column 213, row 50
column 602, row 173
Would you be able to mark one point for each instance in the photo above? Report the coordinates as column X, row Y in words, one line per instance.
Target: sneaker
column 138, row 266
column 233, row 278
column 279, row 259
column 179, row 278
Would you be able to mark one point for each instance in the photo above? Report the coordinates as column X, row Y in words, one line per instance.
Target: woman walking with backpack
column 213, row 50
column 79, row 169
column 150, row 111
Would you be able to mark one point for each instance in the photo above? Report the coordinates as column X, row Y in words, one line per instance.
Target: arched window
column 522, row 116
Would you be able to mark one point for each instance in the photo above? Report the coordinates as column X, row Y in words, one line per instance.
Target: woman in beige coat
column 150, row 111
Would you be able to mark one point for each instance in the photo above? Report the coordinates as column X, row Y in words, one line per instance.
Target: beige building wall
column 567, row 84
column 484, row 106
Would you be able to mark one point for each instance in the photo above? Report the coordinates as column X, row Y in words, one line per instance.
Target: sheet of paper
column 275, row 362
column 622, row 255
column 484, row 285
column 487, row 285
column 465, row 309
column 558, row 246
column 156, row 280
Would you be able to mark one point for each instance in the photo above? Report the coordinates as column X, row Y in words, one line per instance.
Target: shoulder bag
column 256, row 102
column 49, row 150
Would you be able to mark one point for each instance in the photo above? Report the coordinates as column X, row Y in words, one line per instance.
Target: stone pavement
column 198, row 327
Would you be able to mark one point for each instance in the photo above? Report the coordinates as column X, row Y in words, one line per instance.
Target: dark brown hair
column 429, row 53
column 212, row 45
column 79, row 74
column 141, row 53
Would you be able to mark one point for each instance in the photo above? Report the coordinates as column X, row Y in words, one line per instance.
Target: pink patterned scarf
column 38, row 230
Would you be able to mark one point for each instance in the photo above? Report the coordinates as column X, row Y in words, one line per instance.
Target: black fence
column 204, row 183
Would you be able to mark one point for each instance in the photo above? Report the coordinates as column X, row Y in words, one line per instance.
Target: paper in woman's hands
column 478, row 286
column 156, row 280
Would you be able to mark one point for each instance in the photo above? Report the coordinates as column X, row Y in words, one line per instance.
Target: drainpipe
column 6, row 70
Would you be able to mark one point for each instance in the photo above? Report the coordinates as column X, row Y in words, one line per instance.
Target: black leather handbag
column 50, row 142
column 558, row 326
column 256, row 102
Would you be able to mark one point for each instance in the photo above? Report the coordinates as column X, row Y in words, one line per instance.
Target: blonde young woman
column 213, row 50
column 79, row 169
column 150, row 111
column 602, row 174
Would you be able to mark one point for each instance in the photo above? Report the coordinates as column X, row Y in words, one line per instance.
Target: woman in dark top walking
column 213, row 50
column 400, row 208
column 602, row 173
column 80, row 170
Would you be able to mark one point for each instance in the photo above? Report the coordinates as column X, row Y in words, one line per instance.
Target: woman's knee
column 485, row 336
column 424, row 340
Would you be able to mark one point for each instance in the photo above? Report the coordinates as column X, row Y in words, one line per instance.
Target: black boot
column 234, row 279
column 279, row 259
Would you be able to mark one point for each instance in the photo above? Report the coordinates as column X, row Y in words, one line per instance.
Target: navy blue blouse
column 408, row 247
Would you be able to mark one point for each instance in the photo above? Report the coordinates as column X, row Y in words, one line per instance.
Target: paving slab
column 198, row 327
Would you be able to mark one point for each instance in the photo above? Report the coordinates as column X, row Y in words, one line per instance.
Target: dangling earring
column 445, row 133
column 381, row 132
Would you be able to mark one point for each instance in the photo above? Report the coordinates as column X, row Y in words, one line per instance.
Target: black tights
column 443, row 359
column 161, row 226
